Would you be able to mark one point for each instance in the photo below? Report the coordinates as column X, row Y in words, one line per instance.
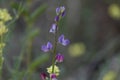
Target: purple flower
column 63, row 41
column 60, row 10
column 47, row 47
column 43, row 76
column 57, row 18
column 59, row 57
column 53, row 76
column 53, row 28
column 63, row 14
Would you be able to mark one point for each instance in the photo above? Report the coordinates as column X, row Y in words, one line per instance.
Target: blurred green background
column 93, row 27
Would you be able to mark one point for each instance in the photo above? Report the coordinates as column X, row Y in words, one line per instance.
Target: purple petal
column 53, row 28
column 61, row 38
column 65, row 42
column 63, row 14
column 59, row 57
column 44, row 48
column 43, row 76
column 49, row 46
column 62, row 9
column 56, row 18
column 58, row 11
column 53, row 76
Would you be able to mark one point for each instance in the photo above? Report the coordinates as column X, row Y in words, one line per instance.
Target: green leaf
column 1, row 62
column 37, row 12
column 33, row 33
column 19, row 9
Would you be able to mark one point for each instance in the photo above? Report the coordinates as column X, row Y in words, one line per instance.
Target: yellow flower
column 114, row 11
column 3, row 28
column 2, row 45
column 4, row 15
column 111, row 75
column 77, row 49
column 56, row 70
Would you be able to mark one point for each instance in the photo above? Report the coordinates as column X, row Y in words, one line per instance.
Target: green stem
column 55, row 45
column 29, row 55
column 28, row 51
column 54, row 50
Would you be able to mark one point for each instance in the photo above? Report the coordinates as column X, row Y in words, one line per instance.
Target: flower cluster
column 3, row 28
column 4, row 17
column 54, row 70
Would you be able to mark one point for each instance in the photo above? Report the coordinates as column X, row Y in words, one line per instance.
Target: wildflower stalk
column 55, row 48
column 54, row 70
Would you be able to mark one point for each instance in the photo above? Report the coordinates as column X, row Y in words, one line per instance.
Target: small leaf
column 1, row 62
column 33, row 33
column 37, row 12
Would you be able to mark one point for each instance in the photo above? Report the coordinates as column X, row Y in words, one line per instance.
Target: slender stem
column 28, row 51
column 54, row 50
column 29, row 55
column 55, row 45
